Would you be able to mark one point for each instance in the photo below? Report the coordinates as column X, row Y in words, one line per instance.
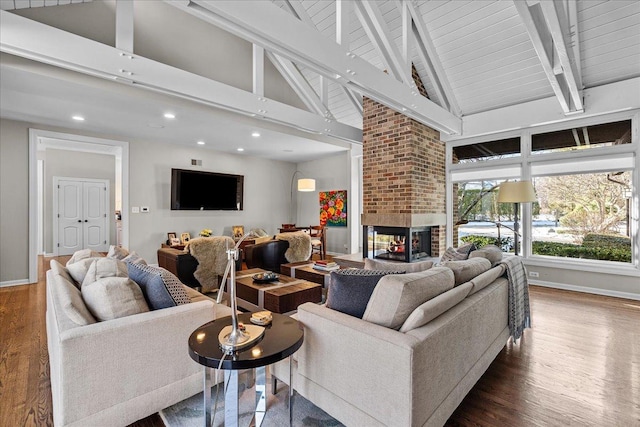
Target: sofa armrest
column 126, row 357
column 341, row 352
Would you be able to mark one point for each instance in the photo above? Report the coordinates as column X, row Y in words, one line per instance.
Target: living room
column 41, row 92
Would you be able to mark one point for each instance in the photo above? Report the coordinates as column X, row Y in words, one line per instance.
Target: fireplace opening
column 397, row 243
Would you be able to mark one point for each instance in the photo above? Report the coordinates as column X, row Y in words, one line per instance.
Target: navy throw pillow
column 350, row 290
column 160, row 288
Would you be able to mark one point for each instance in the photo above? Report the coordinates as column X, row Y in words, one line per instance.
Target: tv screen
column 196, row 190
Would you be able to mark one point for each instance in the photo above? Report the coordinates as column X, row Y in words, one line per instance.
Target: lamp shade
column 306, row 184
column 516, row 192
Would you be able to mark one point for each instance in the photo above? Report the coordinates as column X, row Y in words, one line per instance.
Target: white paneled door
column 80, row 217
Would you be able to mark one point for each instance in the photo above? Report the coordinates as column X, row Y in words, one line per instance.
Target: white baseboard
column 586, row 289
column 14, row 283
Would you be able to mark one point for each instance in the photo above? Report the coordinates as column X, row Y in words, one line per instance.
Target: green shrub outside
column 480, row 241
column 579, row 251
column 615, row 251
column 594, row 240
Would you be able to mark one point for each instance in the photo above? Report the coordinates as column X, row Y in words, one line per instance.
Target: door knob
column 79, row 220
column 86, row 220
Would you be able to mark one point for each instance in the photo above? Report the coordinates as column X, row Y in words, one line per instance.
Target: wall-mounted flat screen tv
column 206, row 191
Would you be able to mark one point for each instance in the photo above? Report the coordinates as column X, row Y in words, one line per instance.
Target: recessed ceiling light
column 200, row 143
column 240, row 149
column 78, row 118
column 169, row 116
column 255, row 134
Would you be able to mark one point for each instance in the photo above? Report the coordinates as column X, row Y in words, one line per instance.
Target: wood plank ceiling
column 486, row 50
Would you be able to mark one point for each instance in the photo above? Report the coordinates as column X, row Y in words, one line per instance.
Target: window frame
column 455, row 173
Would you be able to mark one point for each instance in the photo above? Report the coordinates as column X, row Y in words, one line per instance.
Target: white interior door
column 69, row 217
column 95, row 216
column 81, row 215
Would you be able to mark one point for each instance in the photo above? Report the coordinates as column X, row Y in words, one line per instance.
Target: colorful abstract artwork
column 333, row 208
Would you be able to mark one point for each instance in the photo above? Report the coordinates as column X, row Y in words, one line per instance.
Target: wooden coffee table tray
column 281, row 296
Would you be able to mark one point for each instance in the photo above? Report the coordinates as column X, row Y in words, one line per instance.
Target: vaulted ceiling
column 473, row 56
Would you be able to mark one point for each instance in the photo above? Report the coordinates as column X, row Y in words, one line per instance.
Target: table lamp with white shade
column 516, row 192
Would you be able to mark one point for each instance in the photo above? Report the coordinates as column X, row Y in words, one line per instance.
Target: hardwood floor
column 578, row 365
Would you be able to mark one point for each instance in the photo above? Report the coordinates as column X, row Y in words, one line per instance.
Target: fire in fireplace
column 396, row 243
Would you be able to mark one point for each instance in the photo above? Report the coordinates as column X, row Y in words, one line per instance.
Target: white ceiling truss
column 547, row 25
column 66, row 50
column 293, row 39
column 25, row 4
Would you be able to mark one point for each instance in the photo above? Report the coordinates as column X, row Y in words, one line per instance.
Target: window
column 585, row 215
column 586, row 137
column 584, row 178
column 484, row 151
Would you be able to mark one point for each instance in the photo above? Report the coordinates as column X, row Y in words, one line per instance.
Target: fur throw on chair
column 299, row 246
column 211, row 253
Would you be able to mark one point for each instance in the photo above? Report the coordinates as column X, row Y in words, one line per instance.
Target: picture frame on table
column 170, row 237
column 184, row 238
column 174, row 241
column 237, row 231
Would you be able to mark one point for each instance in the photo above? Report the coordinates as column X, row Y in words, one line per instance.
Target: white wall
column 75, row 164
column 14, row 201
column 266, row 194
column 330, row 173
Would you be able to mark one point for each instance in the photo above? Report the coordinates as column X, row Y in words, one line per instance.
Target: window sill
column 594, row 266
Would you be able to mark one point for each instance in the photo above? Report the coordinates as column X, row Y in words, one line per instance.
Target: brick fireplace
column 403, row 181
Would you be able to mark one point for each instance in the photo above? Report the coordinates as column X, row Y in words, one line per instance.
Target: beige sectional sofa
column 115, row 372
column 363, row 373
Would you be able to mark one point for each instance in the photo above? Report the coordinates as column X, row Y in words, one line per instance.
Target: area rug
column 189, row 413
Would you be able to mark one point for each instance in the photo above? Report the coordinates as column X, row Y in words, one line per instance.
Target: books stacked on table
column 323, row 265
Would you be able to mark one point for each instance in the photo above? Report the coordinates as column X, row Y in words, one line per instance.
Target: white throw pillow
column 117, row 252
column 113, row 297
column 105, row 267
column 78, row 270
column 83, row 254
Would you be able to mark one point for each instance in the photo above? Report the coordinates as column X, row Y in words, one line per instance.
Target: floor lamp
column 304, row 184
column 516, row 192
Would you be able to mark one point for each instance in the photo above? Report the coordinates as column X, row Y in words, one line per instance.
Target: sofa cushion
column 69, row 296
column 117, row 252
column 396, row 296
column 113, row 297
column 407, row 267
column 452, row 254
column 481, row 281
column 349, row 290
column 160, row 288
column 105, row 267
column 433, row 308
column 83, row 254
column 490, row 252
column 467, row 269
column 78, row 270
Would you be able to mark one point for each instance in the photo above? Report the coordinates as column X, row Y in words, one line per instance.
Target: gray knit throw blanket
column 519, row 311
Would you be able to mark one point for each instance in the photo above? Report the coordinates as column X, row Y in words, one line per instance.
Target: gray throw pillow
column 395, row 297
column 490, row 252
column 452, row 255
column 161, row 289
column 407, row 267
column 467, row 269
column 113, row 297
column 350, row 289
column 134, row 258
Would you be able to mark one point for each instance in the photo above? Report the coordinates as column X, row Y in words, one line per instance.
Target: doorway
column 80, row 210
column 37, row 140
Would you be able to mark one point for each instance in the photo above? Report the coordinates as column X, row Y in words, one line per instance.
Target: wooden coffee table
column 304, row 270
column 281, row 296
